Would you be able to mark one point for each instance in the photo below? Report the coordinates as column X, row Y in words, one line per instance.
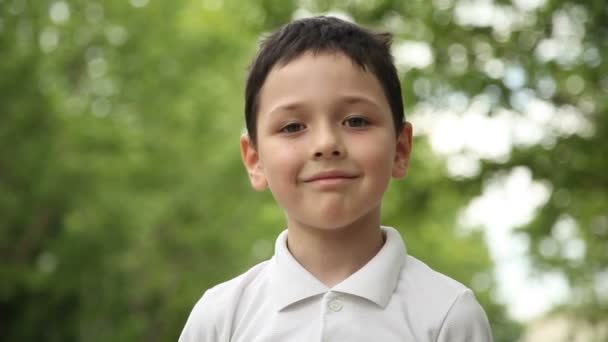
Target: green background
column 123, row 197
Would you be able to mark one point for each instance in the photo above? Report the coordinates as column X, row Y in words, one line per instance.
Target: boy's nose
column 333, row 154
column 328, row 146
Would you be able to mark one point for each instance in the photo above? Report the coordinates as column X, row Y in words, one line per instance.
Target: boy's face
column 326, row 144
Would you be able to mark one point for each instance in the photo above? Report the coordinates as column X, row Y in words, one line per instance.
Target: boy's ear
column 251, row 159
column 403, row 151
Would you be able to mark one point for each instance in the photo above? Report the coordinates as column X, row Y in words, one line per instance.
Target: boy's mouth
column 330, row 175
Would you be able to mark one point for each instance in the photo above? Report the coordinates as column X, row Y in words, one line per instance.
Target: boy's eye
column 356, row 121
column 292, row 128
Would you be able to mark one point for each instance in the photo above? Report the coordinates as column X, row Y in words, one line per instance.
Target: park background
column 123, row 197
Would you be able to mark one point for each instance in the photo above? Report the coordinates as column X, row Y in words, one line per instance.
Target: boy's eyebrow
column 288, row 106
column 345, row 99
column 354, row 99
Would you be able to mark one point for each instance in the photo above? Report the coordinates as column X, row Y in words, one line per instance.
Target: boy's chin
column 332, row 223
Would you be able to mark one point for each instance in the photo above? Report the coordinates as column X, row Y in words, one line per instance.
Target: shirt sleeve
column 201, row 325
column 465, row 322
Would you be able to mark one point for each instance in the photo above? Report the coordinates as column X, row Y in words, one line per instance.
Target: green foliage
column 122, row 195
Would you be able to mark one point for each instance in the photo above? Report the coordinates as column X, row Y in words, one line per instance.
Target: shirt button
column 335, row 305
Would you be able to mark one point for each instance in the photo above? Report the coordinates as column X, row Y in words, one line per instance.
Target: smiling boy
column 326, row 133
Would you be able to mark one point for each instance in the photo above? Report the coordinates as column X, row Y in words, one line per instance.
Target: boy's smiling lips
column 331, row 177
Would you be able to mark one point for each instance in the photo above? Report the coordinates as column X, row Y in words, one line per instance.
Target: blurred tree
column 112, row 142
column 122, row 195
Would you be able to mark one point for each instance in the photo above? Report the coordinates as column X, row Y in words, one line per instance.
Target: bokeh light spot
column 59, row 12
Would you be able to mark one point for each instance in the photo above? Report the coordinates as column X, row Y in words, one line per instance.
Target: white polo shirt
column 394, row 297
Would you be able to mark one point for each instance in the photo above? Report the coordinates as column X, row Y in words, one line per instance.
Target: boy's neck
column 333, row 255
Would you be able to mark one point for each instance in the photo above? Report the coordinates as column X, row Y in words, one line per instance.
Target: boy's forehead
column 319, row 67
column 335, row 56
column 322, row 65
column 316, row 77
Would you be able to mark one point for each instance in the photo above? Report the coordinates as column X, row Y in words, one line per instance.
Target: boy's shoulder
column 228, row 293
column 420, row 276
column 218, row 305
column 441, row 301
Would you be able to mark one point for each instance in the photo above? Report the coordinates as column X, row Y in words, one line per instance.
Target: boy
column 326, row 133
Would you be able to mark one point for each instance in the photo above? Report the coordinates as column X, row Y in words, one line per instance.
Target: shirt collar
column 376, row 281
column 290, row 281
